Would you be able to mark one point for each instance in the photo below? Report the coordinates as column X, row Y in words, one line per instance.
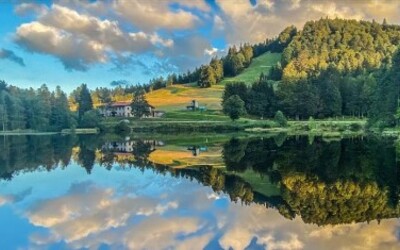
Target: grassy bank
column 215, row 122
column 25, row 132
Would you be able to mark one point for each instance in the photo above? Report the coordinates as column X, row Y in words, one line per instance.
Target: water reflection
column 87, row 192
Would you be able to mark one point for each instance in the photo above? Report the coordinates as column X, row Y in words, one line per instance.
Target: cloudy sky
column 67, row 42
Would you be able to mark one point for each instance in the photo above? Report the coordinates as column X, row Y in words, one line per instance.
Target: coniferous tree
column 235, row 88
column 207, row 77
column 262, row 100
column 140, row 106
column 84, row 101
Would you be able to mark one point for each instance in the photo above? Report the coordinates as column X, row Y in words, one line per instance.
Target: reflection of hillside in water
column 353, row 180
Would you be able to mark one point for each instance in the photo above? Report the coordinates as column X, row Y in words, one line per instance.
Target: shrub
column 122, row 127
column 234, row 107
column 280, row 119
column 90, row 119
column 355, row 126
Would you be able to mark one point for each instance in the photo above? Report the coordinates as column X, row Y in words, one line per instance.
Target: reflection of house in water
column 129, row 149
column 129, row 145
column 197, row 149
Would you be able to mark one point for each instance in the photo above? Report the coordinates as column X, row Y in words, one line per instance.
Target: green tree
column 90, row 119
column 60, row 114
column 236, row 88
column 329, row 93
column 280, row 119
column 104, row 95
column 262, row 100
column 234, row 107
column 140, row 106
column 233, row 62
column 3, row 114
column 207, row 77
column 247, row 52
column 218, row 67
column 84, row 101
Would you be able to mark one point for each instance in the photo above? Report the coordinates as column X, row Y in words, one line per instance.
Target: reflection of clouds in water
column 4, row 199
column 88, row 209
column 276, row 232
column 187, row 216
column 14, row 198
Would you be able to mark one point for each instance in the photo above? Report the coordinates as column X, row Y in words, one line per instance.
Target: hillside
column 177, row 97
column 260, row 64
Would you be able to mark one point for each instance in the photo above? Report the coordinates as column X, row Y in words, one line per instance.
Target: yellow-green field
column 177, row 97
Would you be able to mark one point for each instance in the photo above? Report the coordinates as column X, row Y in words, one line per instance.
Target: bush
column 280, row 119
column 355, row 127
column 234, row 107
column 311, row 123
column 91, row 119
column 122, row 127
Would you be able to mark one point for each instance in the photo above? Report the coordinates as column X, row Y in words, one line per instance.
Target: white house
column 124, row 109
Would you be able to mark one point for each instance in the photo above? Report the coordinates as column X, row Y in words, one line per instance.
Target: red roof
column 124, row 104
column 120, row 104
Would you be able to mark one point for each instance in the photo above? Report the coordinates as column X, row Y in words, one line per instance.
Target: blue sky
column 69, row 42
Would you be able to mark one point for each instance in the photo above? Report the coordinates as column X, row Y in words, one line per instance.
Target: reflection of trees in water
column 326, row 183
column 352, row 180
column 27, row 153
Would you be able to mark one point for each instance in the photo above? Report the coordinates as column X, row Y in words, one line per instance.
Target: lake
column 198, row 192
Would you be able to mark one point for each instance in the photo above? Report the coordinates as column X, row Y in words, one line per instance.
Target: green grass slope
column 259, row 64
column 177, row 97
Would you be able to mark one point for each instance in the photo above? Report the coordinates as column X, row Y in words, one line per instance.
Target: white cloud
column 154, row 15
column 80, row 40
column 211, row 51
column 219, row 24
column 30, row 8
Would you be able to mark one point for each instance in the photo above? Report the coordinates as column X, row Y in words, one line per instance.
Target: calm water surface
column 198, row 192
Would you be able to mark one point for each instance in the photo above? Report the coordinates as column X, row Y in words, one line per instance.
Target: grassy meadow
column 260, row 64
column 177, row 97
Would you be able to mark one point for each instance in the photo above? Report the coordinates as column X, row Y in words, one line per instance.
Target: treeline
column 35, row 109
column 104, row 95
column 328, row 95
column 51, row 111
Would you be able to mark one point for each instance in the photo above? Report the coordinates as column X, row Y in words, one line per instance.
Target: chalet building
column 124, row 109
column 194, row 105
